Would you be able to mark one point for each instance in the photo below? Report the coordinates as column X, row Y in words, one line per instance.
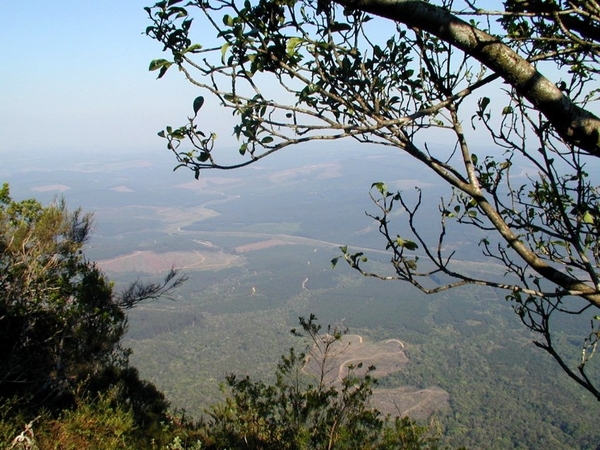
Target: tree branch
column 575, row 125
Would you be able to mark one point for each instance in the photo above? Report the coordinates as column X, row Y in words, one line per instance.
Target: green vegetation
column 62, row 326
column 304, row 411
column 465, row 341
column 470, row 345
column 66, row 381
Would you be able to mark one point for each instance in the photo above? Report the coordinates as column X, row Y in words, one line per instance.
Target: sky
column 74, row 77
column 74, row 81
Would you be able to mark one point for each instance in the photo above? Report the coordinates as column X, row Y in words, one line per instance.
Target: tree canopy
column 471, row 90
column 61, row 323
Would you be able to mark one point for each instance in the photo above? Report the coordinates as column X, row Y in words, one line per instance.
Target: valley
column 257, row 247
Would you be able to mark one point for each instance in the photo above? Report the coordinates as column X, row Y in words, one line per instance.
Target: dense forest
column 213, row 325
column 67, row 383
column 421, row 273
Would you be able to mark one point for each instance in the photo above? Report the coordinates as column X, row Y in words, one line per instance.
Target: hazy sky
column 74, row 79
column 74, row 76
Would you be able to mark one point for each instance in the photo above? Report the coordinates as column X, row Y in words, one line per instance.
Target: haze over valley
column 257, row 245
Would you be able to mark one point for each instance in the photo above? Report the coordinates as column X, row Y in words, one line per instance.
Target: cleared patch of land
column 150, row 262
column 327, row 170
column 260, row 245
column 122, row 188
column 51, row 187
column 176, row 218
column 345, row 356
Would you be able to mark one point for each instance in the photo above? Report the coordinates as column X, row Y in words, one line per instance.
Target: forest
column 420, row 273
column 458, row 344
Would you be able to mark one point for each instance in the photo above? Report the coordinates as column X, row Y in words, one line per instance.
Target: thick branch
column 574, row 124
column 567, row 282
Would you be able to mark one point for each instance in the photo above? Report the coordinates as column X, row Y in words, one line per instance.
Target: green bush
column 301, row 411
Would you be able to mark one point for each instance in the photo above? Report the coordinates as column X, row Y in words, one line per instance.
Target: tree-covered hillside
column 66, row 381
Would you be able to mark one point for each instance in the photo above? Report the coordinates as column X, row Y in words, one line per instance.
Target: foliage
column 101, row 422
column 294, row 71
column 51, row 300
column 93, row 424
column 300, row 411
column 63, row 368
column 464, row 340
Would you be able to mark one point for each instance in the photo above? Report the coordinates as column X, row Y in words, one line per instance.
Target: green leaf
column 339, row 26
column 181, row 12
column 380, row 186
column 224, row 49
column 230, row 98
column 198, row 102
column 483, row 103
column 156, row 64
column 588, row 218
column 227, row 20
column 192, row 48
column 266, row 140
column 162, row 72
column 291, row 45
column 408, row 245
column 178, row 134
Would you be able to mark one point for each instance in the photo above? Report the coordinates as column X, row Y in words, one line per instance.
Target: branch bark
column 575, row 125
